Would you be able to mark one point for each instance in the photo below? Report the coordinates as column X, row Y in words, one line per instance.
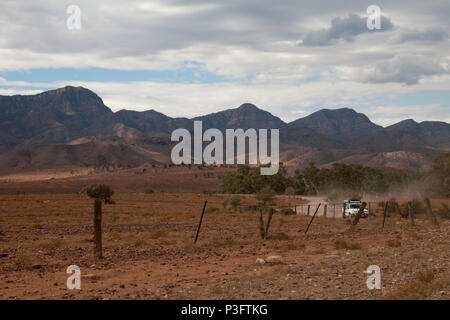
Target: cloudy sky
column 191, row 57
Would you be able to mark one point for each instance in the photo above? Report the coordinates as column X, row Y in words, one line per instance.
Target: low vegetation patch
column 279, row 236
column 425, row 284
column 425, row 276
column 50, row 243
column 444, row 212
column 157, row 234
column 349, row 245
column 287, row 211
column 24, row 258
column 212, row 210
column 394, row 243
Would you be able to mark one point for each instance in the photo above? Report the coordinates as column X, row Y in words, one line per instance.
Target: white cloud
column 253, row 44
column 403, row 68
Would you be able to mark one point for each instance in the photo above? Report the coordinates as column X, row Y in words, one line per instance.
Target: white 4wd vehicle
column 352, row 208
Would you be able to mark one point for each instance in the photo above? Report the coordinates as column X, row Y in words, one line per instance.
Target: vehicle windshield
column 354, row 206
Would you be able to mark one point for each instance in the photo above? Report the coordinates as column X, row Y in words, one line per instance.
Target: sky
column 186, row 58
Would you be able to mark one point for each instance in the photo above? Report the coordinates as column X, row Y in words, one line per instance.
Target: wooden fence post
column 430, row 212
column 325, row 211
column 358, row 215
column 268, row 222
column 308, row 209
column 343, row 211
column 200, row 222
column 410, row 213
column 261, row 224
column 98, row 252
column 384, row 212
column 314, row 215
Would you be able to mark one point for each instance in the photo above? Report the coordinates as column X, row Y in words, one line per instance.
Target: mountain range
column 72, row 126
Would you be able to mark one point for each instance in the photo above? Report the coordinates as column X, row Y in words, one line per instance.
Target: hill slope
column 39, row 131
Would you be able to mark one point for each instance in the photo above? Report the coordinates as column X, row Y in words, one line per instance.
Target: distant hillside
column 246, row 116
column 55, row 116
column 85, row 152
column 151, row 122
column 341, row 124
column 55, row 128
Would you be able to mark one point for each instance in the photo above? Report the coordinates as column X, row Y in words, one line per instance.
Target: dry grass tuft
column 24, row 258
column 113, row 235
column 425, row 276
column 343, row 244
column 421, row 288
column 49, row 244
column 157, row 234
column 288, row 245
column 394, row 243
column 279, row 236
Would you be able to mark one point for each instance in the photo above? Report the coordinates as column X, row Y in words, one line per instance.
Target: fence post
column 410, row 213
column 384, row 213
column 98, row 252
column 314, row 215
column 358, row 215
column 268, row 222
column 200, row 223
column 430, row 212
column 308, row 209
column 325, row 211
column 261, row 224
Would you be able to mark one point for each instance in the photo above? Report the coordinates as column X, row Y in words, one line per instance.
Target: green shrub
column 235, row 202
column 443, row 212
column 225, row 203
column 425, row 276
column 98, row 191
column 212, row 210
column 286, row 211
column 265, row 195
column 417, row 206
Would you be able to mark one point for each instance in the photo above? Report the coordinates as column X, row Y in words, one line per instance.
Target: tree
column 441, row 172
column 249, row 180
column 265, row 195
column 99, row 192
